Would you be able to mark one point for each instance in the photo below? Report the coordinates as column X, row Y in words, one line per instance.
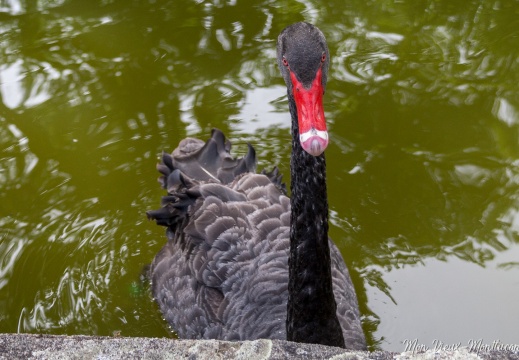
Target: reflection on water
column 437, row 293
column 423, row 163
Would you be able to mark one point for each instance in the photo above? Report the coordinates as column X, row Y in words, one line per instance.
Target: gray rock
column 29, row 346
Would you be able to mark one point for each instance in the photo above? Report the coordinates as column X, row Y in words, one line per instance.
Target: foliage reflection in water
column 423, row 161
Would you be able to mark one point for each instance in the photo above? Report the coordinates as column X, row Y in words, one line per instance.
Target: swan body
column 242, row 260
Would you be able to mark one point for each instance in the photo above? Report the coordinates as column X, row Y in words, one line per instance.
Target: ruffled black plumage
column 223, row 273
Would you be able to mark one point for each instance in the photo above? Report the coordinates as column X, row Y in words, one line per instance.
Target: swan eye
column 323, row 58
column 285, row 62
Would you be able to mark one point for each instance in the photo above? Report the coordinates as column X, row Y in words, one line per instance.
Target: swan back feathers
column 223, row 273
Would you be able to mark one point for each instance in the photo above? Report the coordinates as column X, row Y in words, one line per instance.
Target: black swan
column 242, row 260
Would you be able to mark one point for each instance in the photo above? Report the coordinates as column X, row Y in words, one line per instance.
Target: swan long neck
column 311, row 307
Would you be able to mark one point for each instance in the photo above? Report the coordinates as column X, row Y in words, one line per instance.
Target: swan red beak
column 310, row 114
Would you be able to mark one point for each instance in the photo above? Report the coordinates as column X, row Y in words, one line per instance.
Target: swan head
column 303, row 59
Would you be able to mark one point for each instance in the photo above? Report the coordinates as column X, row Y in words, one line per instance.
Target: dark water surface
column 423, row 165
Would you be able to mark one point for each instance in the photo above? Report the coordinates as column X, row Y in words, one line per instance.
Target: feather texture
column 223, row 273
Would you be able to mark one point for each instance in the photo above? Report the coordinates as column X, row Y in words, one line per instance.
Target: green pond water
column 423, row 163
